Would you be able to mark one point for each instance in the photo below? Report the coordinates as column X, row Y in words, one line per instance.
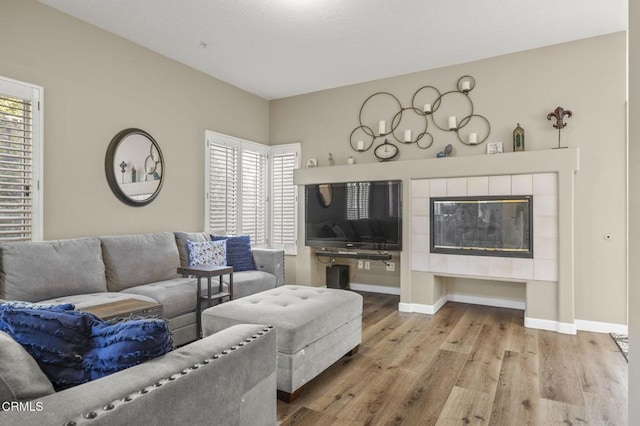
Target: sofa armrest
column 271, row 261
column 226, row 378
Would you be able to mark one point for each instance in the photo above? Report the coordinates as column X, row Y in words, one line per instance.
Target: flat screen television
column 354, row 215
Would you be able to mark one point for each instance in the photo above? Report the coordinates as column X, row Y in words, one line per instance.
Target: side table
column 208, row 271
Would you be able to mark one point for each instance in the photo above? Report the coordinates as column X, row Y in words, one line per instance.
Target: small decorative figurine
column 518, row 139
column 123, row 167
column 559, row 114
column 330, row 158
column 446, row 152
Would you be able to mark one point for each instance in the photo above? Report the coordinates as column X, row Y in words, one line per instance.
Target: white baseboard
column 542, row 324
column 419, row 308
column 375, row 288
column 474, row 300
column 602, row 327
column 487, row 301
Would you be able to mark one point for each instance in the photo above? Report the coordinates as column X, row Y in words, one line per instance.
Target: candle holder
column 363, row 137
column 559, row 113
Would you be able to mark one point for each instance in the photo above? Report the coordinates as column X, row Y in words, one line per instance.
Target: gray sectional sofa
column 96, row 270
column 228, row 378
column 232, row 373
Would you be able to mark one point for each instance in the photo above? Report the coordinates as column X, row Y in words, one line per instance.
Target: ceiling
column 281, row 48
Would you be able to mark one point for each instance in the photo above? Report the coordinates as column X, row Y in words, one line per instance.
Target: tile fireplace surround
column 543, row 266
column 548, row 278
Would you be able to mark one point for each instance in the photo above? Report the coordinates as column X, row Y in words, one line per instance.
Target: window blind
column 284, row 201
column 16, row 169
column 254, row 196
column 223, row 185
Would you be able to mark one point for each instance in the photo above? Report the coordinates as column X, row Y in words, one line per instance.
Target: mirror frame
column 110, row 171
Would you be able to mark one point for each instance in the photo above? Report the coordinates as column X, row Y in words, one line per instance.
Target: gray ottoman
column 315, row 327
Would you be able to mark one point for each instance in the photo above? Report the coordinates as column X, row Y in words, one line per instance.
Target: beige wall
column 96, row 84
column 521, row 87
column 634, row 212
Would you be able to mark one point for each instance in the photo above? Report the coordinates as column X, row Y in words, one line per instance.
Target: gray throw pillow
column 20, row 376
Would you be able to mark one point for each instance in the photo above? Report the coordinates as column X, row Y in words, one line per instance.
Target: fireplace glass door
column 482, row 226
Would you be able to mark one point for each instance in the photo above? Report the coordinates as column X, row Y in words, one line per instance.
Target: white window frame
column 35, row 94
column 240, row 144
column 222, row 139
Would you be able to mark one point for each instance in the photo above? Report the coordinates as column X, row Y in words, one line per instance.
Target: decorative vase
column 518, row 139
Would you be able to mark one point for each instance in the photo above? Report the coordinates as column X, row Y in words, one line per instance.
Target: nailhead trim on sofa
column 82, row 418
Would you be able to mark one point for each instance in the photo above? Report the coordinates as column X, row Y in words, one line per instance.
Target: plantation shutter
column 223, row 189
column 284, row 200
column 254, row 196
column 19, row 193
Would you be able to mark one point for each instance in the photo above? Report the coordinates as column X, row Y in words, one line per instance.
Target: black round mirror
column 134, row 167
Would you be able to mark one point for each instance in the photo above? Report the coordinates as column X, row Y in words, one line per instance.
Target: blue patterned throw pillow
column 238, row 252
column 207, row 253
column 73, row 347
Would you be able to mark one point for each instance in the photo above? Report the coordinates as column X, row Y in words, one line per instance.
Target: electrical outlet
column 360, row 264
column 367, row 265
column 391, row 266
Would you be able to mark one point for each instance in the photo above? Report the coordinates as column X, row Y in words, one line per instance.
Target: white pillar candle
column 453, row 122
column 407, row 135
column 427, row 107
column 382, row 127
column 466, row 86
column 360, row 145
column 350, row 160
column 473, row 138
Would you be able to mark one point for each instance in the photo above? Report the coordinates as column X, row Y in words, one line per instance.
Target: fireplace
column 482, row 226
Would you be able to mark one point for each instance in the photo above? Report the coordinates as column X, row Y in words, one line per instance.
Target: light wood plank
column 482, row 369
column 465, row 407
column 606, row 411
column 602, row 369
column 558, row 378
column 431, row 390
column 516, row 399
column 463, row 336
column 561, row 414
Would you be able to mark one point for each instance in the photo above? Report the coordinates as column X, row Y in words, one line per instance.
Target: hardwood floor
column 466, row 365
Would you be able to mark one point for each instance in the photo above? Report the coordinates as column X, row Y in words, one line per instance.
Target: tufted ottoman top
column 301, row 315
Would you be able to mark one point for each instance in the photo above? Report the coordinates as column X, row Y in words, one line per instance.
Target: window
column 20, row 161
column 249, row 191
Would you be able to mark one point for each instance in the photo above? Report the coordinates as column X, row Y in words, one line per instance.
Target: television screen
column 361, row 215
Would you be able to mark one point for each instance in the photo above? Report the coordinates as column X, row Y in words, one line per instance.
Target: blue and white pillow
column 207, row 253
column 239, row 253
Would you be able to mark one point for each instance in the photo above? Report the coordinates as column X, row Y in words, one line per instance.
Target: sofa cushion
column 177, row 296
column 20, row 377
column 207, row 253
column 73, row 347
column 250, row 282
column 133, row 260
column 238, row 252
column 181, row 242
column 34, row 271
